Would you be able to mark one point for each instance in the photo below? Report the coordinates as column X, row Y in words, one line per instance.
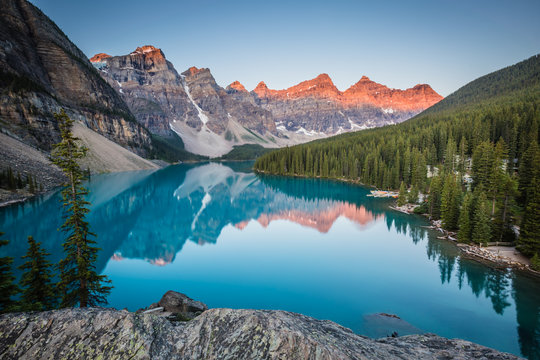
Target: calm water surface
column 229, row 238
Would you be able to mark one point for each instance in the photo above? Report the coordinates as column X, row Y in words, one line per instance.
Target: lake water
column 230, row 238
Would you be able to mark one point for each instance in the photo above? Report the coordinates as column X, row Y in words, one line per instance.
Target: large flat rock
column 98, row 333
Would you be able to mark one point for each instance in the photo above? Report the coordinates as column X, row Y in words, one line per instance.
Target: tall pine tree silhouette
column 79, row 281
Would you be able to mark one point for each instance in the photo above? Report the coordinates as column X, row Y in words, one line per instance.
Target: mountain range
column 136, row 106
column 211, row 119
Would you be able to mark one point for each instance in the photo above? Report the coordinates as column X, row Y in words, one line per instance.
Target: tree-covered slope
column 521, row 79
column 501, row 104
column 482, row 139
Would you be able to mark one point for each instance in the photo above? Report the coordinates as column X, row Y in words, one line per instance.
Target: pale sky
column 443, row 43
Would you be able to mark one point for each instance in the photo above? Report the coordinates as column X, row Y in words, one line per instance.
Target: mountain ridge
column 364, row 91
column 219, row 117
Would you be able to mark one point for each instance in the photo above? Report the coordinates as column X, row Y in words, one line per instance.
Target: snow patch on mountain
column 202, row 115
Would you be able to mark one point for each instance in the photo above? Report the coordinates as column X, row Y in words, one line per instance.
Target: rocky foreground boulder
column 99, row 333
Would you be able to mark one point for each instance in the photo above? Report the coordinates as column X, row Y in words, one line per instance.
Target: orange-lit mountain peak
column 262, row 91
column 146, row 49
column 366, row 91
column 99, row 57
column 150, row 55
column 261, row 86
column 192, row 71
column 321, row 87
column 236, row 85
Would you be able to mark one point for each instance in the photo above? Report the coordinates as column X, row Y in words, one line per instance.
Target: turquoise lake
column 225, row 236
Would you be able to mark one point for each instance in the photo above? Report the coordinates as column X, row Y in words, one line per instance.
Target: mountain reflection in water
column 345, row 252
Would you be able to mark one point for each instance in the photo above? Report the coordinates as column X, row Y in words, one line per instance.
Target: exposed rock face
column 211, row 119
column 99, row 57
column 151, row 87
column 41, row 71
column 207, row 95
column 241, row 103
column 415, row 99
column 215, row 334
column 191, row 104
column 316, row 106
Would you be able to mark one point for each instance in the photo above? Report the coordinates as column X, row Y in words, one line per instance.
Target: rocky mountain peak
column 192, row 71
column 99, row 57
column 261, row 90
column 370, row 92
column 321, row 86
column 323, row 78
column 261, row 86
column 145, row 49
column 150, row 56
column 236, row 86
column 424, row 88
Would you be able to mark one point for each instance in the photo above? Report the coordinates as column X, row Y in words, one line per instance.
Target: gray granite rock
column 176, row 302
column 98, row 333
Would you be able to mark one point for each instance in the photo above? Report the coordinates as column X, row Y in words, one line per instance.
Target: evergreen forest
column 472, row 160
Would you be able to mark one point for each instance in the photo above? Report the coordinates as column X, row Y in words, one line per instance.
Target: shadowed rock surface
column 175, row 306
column 216, row 334
column 42, row 71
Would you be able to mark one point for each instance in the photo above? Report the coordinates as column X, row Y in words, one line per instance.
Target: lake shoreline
column 471, row 251
column 484, row 255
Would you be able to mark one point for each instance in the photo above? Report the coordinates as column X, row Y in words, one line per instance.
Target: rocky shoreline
column 100, row 333
column 490, row 256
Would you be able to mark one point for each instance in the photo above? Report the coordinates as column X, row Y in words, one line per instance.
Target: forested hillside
column 475, row 153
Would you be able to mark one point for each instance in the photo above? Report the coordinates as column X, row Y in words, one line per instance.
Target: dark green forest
column 475, row 155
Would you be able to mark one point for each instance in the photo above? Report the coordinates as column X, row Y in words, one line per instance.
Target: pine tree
column 449, row 156
column 527, row 170
column 413, row 195
column 503, row 221
column 7, row 285
column 11, row 182
column 38, row 293
column 31, row 185
column 79, row 282
column 481, row 232
column 465, row 225
column 529, row 241
column 450, row 202
column 434, row 198
column 19, row 181
column 535, row 262
column 402, row 198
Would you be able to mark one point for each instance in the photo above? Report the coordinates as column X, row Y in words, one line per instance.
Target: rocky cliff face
column 211, row 119
column 208, row 118
column 215, row 334
column 42, row 71
column 151, row 87
column 317, row 107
